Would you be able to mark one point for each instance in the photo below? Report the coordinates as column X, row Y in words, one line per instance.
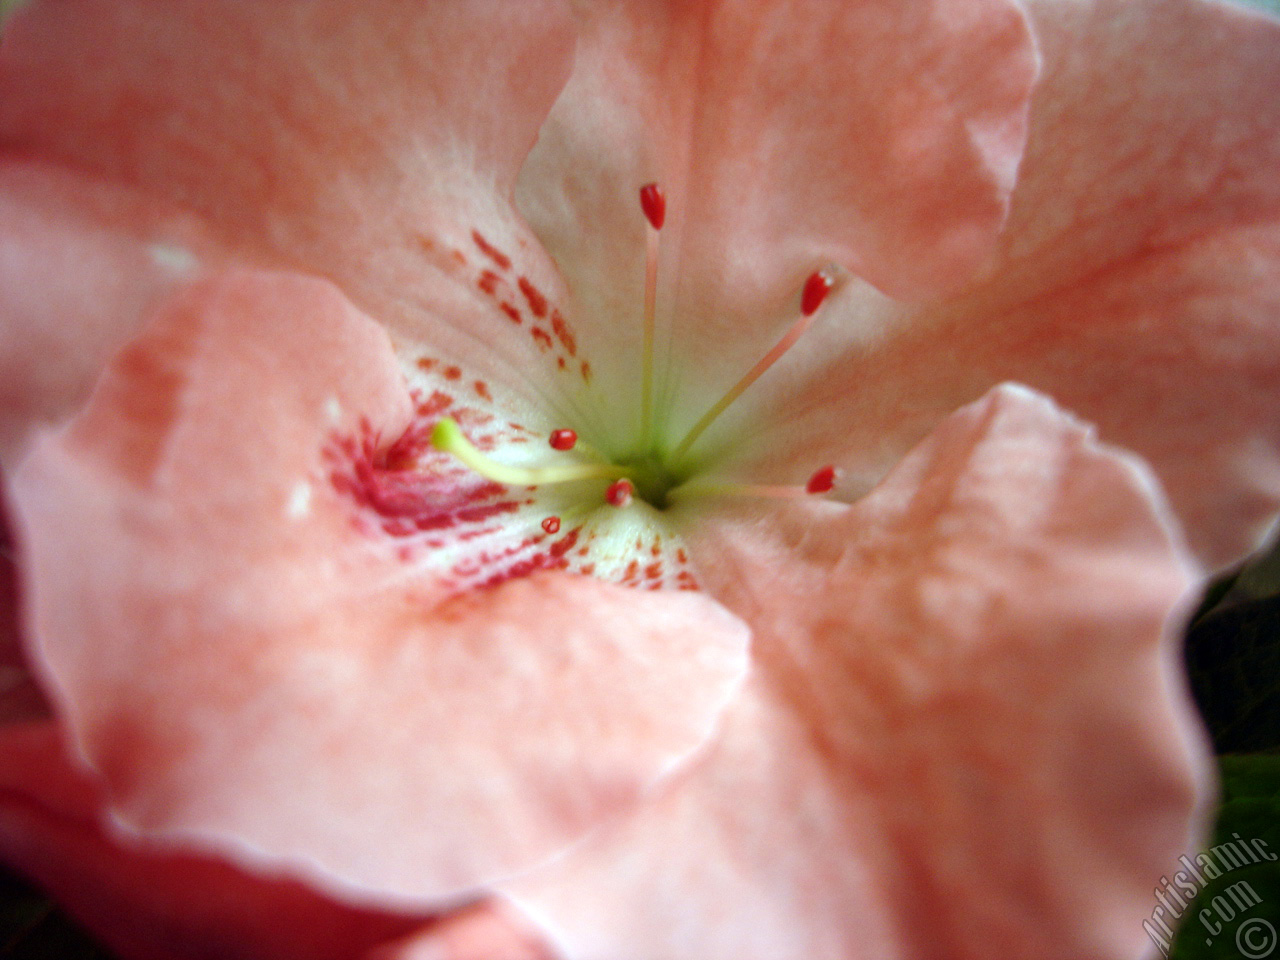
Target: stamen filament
column 650, row 295
column 823, row 480
column 654, row 205
column 726, row 488
column 816, row 289
column 448, row 437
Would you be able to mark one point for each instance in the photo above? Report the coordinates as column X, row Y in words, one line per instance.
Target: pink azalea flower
column 357, row 651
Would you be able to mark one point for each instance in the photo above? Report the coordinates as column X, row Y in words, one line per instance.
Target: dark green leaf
column 1238, row 914
column 1233, row 660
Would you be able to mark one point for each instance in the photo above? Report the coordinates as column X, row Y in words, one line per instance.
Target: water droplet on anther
column 551, row 524
column 816, row 289
column 822, row 481
column 620, row 493
column 563, row 439
column 654, row 204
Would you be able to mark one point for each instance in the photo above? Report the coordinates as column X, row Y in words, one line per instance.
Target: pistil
column 448, row 437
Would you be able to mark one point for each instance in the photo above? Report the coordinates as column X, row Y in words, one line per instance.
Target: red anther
column 816, row 289
column 654, row 204
column 620, row 492
column 563, row 439
column 551, row 524
column 822, row 480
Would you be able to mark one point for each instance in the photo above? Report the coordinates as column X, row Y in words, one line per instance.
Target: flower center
column 657, row 473
column 653, row 478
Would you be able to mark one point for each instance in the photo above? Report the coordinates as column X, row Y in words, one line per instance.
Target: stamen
column 563, row 439
column 551, row 525
column 620, row 493
column 821, row 482
column 448, row 437
column 815, row 292
column 654, row 204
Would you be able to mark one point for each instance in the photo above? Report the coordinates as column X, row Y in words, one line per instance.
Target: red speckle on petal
column 822, row 480
column 551, row 524
column 482, row 390
column 510, row 310
column 537, row 302
column 586, row 371
column 452, row 373
column 620, row 493
column 403, row 454
column 490, row 251
column 562, row 331
column 563, row 439
column 542, row 337
column 434, row 405
column 816, row 289
column 563, row 546
column 654, row 204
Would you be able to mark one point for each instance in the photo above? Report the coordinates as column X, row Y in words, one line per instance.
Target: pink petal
column 20, row 697
column 487, row 931
column 159, row 905
column 880, row 135
column 966, row 736
column 255, row 670
column 365, row 142
column 1139, row 281
column 81, row 265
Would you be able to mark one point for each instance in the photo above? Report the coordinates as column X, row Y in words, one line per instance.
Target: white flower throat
column 658, row 470
column 472, row 498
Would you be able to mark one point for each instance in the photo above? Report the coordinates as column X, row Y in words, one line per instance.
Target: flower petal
column 296, row 114
column 253, row 669
column 20, row 697
column 966, row 736
column 880, row 135
column 154, row 905
column 372, row 143
column 1138, row 284
column 490, row 930
column 81, row 265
